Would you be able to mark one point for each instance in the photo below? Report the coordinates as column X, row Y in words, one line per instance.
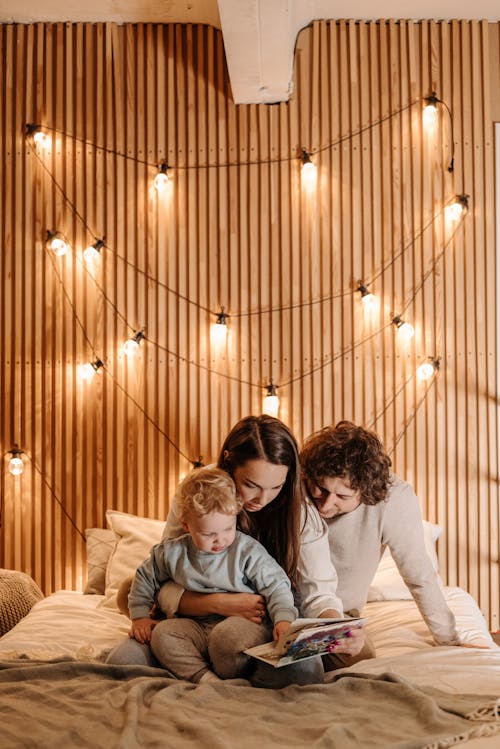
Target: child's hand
column 141, row 629
column 279, row 629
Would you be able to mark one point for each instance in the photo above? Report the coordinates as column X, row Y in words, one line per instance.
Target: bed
column 57, row 691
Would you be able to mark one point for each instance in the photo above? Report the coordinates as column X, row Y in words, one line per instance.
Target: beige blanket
column 72, row 704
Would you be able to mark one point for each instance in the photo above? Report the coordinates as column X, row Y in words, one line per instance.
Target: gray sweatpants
column 189, row 648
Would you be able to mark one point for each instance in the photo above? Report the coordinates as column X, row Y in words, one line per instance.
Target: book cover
column 306, row 638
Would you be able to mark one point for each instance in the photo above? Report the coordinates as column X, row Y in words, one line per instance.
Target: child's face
column 213, row 532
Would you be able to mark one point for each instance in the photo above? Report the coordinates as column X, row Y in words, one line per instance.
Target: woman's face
column 258, row 482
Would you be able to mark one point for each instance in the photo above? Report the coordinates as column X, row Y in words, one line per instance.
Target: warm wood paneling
column 237, row 229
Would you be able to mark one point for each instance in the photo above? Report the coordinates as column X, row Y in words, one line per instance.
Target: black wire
column 408, row 421
column 257, row 162
column 54, row 495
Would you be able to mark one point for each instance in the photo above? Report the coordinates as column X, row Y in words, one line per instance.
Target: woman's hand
column 141, row 629
column 247, row 605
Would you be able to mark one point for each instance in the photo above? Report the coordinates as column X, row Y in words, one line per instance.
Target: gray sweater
column 243, row 567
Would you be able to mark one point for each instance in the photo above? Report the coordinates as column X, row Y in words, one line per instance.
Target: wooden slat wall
column 121, row 99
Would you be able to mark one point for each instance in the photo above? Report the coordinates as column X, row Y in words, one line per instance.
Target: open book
column 305, row 639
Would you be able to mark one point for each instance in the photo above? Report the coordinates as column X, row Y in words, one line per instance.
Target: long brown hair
column 276, row 526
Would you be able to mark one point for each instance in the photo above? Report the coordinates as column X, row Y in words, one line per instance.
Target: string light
column 429, row 115
column 218, row 329
column 92, row 252
column 57, row 243
column 405, row 330
column 430, row 111
column 88, row 370
column 367, row 298
column 309, row 171
column 428, row 368
column 271, row 402
column 37, row 135
column 161, row 180
column 16, row 464
column 131, row 345
column 459, row 207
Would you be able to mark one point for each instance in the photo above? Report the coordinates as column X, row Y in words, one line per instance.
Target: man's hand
column 141, row 629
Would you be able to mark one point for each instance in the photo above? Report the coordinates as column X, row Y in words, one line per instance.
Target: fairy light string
column 240, row 314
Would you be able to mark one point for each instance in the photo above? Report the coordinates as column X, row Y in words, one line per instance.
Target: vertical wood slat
column 247, row 237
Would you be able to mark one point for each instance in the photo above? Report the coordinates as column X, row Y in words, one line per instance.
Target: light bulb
column 430, row 115
column 56, row 243
column 455, row 210
column 88, row 370
column 405, row 330
column 161, row 180
column 131, row 345
column 309, row 171
column 35, row 132
column 428, row 368
column 271, row 402
column 218, row 329
column 367, row 298
column 92, row 252
column 430, row 111
column 425, row 371
column 16, row 464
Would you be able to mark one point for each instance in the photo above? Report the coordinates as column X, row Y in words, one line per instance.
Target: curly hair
column 207, row 490
column 351, row 453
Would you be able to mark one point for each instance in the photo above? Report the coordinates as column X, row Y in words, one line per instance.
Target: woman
column 261, row 455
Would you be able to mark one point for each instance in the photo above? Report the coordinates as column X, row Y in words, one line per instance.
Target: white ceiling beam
column 259, row 39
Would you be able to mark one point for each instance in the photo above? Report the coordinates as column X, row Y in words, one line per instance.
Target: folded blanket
column 74, row 704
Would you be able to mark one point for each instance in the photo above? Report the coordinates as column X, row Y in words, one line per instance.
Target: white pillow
column 135, row 537
column 100, row 544
column 388, row 585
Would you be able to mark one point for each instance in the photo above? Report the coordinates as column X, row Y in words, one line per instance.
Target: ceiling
column 259, row 35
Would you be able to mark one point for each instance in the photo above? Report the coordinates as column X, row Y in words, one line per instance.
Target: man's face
column 333, row 496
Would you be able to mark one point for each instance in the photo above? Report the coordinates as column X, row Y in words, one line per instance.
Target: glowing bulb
column 40, row 139
column 56, row 243
column 455, row 210
column 218, row 329
column 88, row 370
column 161, row 180
column 405, row 330
column 16, row 464
column 430, row 115
column 271, row 402
column 92, row 252
column 427, row 369
column 367, row 298
column 131, row 345
column 309, row 171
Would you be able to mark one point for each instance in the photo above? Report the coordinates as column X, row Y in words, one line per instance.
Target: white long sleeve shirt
column 339, row 558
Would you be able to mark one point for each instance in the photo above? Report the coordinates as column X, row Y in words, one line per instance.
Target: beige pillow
column 388, row 585
column 135, row 537
column 100, row 544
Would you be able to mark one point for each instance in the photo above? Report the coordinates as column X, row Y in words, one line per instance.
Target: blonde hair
column 207, row 490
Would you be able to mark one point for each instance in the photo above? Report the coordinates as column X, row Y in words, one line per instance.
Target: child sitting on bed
column 212, row 557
